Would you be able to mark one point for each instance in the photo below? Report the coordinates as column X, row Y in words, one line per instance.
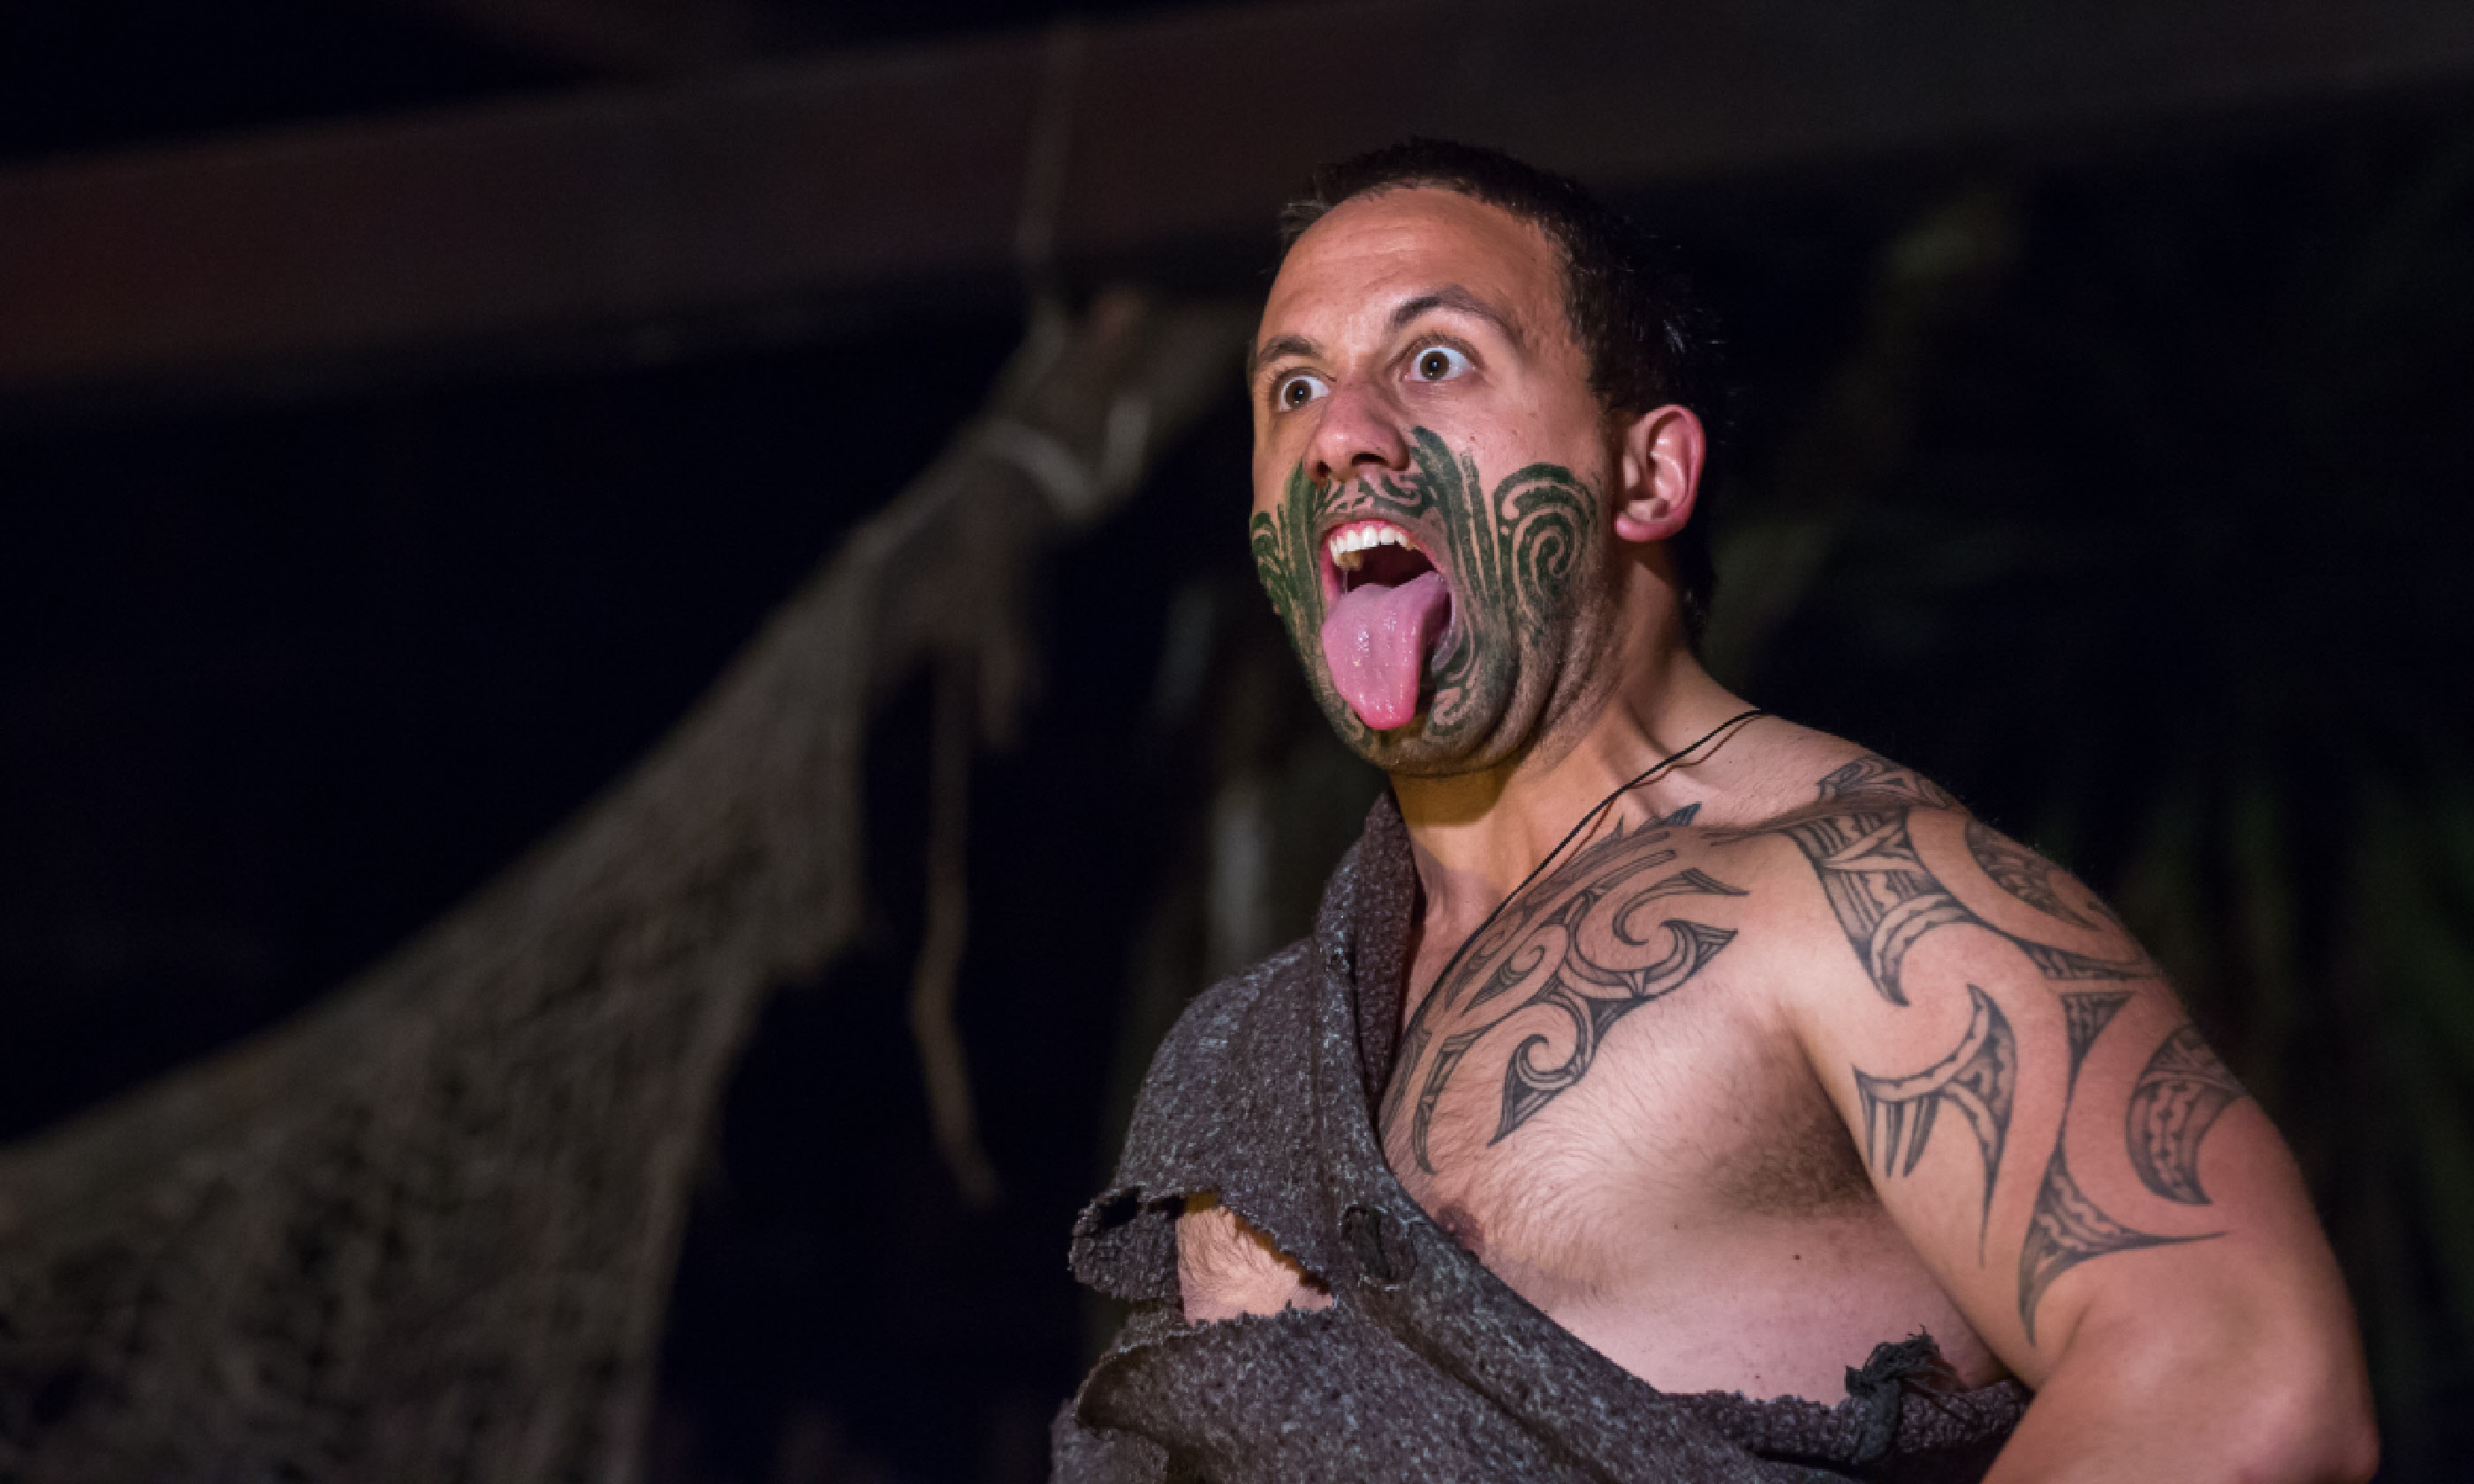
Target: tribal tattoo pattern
column 1886, row 899
column 1874, row 777
column 1511, row 554
column 1884, row 896
column 2021, row 872
column 2177, row 1099
column 1589, row 944
column 2033, row 879
column 1596, row 939
column 1979, row 1080
column 1291, row 571
column 2066, row 1228
column 1878, row 886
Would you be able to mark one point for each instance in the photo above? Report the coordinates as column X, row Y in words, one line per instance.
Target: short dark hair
column 1647, row 341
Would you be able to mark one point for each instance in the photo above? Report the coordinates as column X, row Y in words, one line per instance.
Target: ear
column 1657, row 473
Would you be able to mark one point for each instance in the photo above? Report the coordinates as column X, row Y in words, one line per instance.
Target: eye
column 1295, row 390
column 1439, row 363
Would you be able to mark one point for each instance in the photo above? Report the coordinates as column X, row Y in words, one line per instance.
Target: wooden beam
column 794, row 185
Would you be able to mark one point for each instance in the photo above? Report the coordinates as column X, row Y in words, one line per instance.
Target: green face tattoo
column 1510, row 557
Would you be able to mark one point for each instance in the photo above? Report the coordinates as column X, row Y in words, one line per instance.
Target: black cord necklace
column 1645, row 775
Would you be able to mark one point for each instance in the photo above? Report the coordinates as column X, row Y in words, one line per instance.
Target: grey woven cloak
column 1426, row 1367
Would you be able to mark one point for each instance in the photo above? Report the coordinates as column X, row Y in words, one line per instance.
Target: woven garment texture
column 1426, row 1366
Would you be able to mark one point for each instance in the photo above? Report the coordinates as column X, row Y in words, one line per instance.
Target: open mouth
column 1389, row 608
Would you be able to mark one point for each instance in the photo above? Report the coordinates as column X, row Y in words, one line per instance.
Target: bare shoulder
column 1890, row 856
column 1786, row 773
column 1826, row 776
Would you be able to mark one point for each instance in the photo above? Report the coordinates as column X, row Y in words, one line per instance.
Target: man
column 1780, row 1080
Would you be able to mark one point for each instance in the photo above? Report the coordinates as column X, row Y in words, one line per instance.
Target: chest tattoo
column 1579, row 951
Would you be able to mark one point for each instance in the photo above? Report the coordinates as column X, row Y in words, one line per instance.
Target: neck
column 1476, row 835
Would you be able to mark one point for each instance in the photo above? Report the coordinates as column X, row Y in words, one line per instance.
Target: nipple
column 1463, row 1227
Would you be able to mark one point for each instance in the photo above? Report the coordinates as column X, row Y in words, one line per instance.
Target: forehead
column 1371, row 253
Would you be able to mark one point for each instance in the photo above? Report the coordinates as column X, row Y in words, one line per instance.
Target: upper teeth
column 1348, row 544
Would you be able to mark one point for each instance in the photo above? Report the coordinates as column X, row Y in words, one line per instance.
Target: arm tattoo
column 2175, row 1102
column 1874, row 777
column 1884, row 896
column 1886, row 899
column 2062, row 964
column 2084, row 1017
column 2022, row 872
column 1980, row 1079
column 2066, row 1228
column 2032, row 879
column 1878, row 886
column 1600, row 953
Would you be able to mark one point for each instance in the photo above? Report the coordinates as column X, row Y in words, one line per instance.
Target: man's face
column 1429, row 473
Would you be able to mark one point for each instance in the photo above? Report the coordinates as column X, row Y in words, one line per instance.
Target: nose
column 1358, row 434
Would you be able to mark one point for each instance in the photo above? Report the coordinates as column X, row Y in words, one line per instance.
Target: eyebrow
column 1451, row 296
column 1277, row 347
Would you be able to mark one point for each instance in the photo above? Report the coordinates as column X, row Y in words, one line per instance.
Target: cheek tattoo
column 1508, row 556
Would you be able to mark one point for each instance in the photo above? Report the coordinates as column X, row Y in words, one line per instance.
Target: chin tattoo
column 1511, row 554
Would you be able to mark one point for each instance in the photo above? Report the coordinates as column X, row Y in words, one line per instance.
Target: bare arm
column 2118, row 1220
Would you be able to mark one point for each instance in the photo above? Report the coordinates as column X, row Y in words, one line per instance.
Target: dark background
column 2144, row 531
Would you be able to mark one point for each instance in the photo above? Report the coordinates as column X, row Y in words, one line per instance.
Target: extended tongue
column 1375, row 644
